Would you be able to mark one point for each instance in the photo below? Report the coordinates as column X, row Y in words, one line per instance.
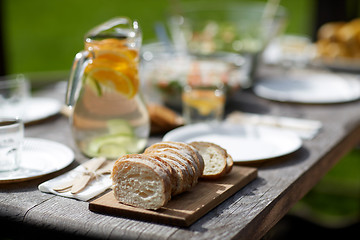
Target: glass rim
column 12, row 80
column 245, row 6
column 10, row 121
column 114, row 28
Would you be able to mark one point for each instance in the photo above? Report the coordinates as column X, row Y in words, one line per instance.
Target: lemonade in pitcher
column 109, row 116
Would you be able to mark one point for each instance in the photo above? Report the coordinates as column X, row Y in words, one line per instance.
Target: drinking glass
column 11, row 141
column 14, row 92
column 203, row 98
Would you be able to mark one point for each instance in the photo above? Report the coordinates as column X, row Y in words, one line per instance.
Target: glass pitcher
column 109, row 117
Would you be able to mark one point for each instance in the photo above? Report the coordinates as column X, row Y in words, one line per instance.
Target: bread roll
column 339, row 40
column 163, row 119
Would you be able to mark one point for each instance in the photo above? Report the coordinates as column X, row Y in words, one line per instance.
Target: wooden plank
column 247, row 214
column 183, row 209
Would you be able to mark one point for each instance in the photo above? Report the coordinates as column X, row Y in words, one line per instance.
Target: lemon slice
column 205, row 101
column 113, row 80
column 113, row 56
column 113, row 67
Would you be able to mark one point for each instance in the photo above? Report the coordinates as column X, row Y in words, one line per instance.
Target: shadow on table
column 12, row 230
column 294, row 228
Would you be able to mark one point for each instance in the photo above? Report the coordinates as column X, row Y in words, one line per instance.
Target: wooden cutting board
column 183, row 209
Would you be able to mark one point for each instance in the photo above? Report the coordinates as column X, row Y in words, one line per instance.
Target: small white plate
column 39, row 108
column 39, row 157
column 245, row 143
column 316, row 88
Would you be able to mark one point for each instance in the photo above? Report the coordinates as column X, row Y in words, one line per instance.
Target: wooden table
column 248, row 214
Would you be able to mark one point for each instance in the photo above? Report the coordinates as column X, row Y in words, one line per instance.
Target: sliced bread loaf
column 166, row 169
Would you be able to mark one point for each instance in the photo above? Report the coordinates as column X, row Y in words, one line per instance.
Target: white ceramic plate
column 39, row 108
column 346, row 65
column 243, row 143
column 39, row 157
column 316, row 88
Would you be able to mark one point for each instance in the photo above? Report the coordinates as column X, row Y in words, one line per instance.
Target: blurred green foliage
column 335, row 200
column 42, row 35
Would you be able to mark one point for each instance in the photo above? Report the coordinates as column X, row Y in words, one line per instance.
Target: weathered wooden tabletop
column 248, row 214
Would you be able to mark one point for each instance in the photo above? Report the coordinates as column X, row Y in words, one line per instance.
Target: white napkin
column 304, row 128
column 93, row 188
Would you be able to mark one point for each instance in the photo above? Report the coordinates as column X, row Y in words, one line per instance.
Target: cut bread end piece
column 229, row 163
column 140, row 183
column 215, row 159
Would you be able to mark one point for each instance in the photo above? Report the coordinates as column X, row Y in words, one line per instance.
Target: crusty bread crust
column 192, row 151
column 180, row 172
column 190, row 172
column 163, row 119
column 166, row 166
column 166, row 169
column 229, row 163
column 186, row 180
column 217, row 161
column 140, row 183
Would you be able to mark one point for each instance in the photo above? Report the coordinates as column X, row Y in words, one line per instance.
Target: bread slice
column 187, row 159
column 166, row 166
column 184, row 179
column 183, row 149
column 192, row 151
column 215, row 158
column 178, row 172
column 187, row 164
column 139, row 182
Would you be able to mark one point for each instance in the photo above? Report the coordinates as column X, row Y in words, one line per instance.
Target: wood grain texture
column 248, row 214
column 186, row 208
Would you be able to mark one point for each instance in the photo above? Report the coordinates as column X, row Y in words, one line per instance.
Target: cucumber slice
column 112, row 150
column 94, row 85
column 120, row 126
column 111, row 146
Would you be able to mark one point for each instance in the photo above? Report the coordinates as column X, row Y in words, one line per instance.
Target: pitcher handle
column 77, row 71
